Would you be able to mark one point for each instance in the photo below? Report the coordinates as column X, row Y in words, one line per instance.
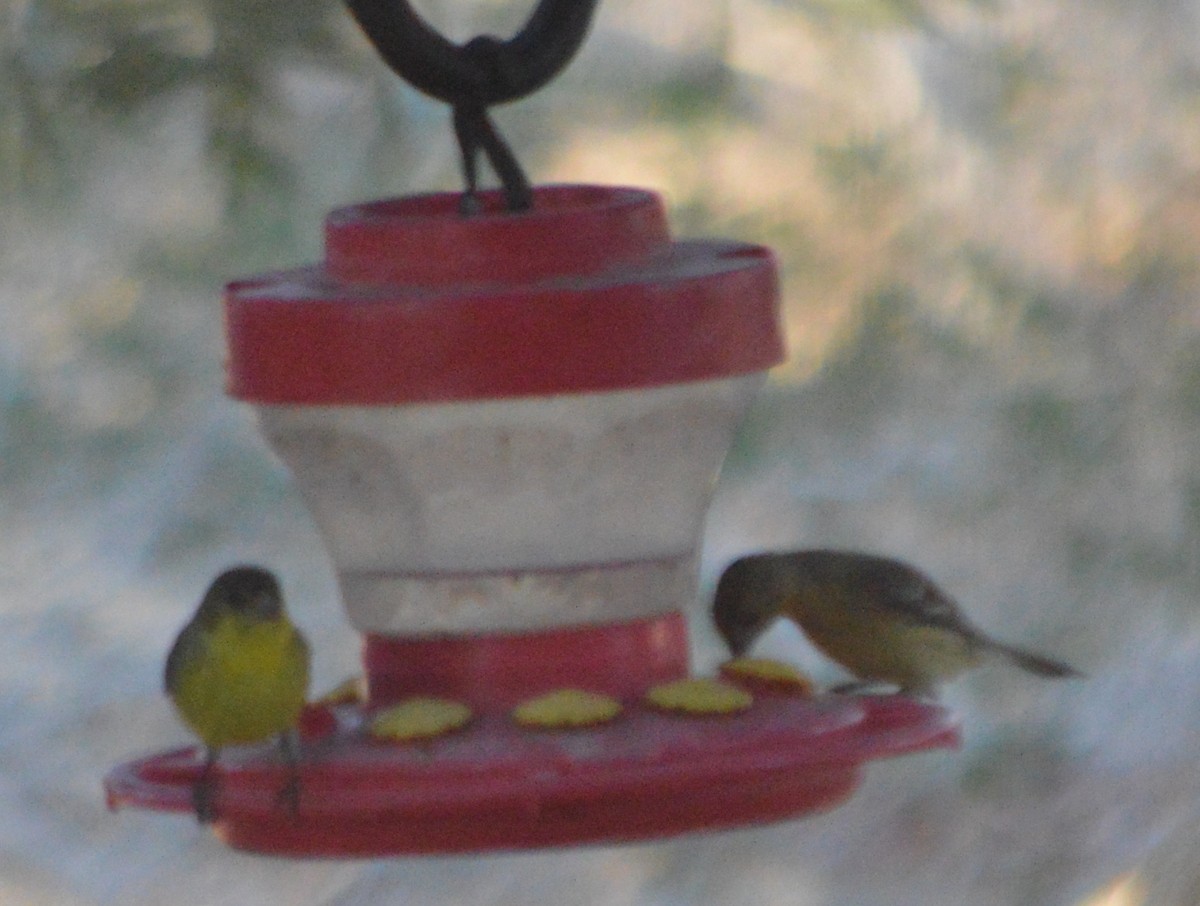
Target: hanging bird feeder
column 506, row 410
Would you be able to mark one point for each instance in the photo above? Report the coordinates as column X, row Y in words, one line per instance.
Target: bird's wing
column 305, row 654
column 919, row 600
column 190, row 640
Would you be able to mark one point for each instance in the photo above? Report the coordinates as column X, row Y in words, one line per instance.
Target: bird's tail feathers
column 1035, row 663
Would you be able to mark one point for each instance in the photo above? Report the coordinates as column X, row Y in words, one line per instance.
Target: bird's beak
column 737, row 642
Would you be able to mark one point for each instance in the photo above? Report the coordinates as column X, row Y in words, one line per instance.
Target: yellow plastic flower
column 699, row 696
column 419, row 718
column 565, row 708
column 350, row 691
column 767, row 672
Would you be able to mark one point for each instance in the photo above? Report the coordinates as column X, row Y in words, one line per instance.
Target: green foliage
column 81, row 70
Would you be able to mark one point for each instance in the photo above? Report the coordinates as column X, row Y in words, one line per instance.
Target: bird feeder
column 506, row 417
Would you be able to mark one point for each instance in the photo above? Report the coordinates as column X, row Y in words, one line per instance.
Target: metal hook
column 479, row 74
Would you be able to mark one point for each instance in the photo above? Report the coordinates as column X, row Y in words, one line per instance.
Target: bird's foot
column 469, row 203
column 289, row 795
column 204, row 798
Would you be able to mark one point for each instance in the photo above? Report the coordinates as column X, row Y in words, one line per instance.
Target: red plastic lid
column 418, row 303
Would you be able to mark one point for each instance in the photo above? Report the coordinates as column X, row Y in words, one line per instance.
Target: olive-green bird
column 881, row 619
column 238, row 674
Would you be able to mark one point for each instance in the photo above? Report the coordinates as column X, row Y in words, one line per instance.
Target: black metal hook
column 479, row 74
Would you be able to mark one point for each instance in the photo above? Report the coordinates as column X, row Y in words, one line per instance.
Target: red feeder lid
column 496, row 785
column 584, row 292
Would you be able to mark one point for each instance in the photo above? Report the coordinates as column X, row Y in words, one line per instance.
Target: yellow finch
column 882, row 619
column 238, row 674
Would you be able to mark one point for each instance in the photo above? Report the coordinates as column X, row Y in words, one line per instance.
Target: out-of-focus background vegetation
column 986, row 213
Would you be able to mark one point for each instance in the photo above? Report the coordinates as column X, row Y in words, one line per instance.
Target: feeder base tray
column 494, row 785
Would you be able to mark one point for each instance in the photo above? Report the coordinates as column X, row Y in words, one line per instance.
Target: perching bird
column 238, row 674
column 883, row 620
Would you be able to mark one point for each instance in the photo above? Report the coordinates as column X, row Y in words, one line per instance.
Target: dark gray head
column 749, row 596
column 246, row 590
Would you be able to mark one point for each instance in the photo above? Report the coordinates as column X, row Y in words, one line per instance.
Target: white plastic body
column 516, row 514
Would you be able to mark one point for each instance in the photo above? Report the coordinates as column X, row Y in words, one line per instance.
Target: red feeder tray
column 494, row 785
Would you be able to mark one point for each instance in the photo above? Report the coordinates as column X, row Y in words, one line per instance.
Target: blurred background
column 986, row 213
